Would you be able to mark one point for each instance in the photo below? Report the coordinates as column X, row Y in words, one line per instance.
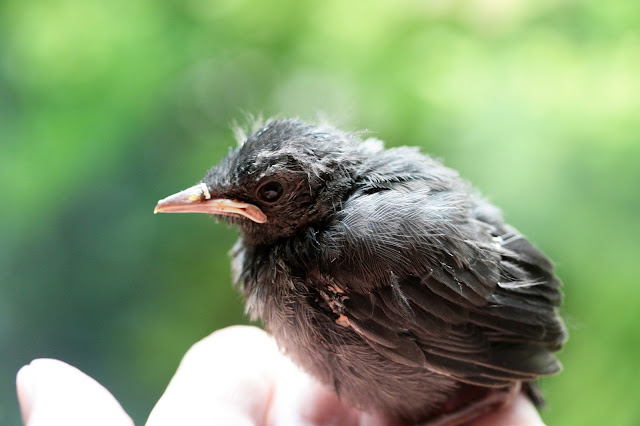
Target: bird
column 382, row 273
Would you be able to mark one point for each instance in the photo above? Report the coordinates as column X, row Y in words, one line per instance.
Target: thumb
column 53, row 393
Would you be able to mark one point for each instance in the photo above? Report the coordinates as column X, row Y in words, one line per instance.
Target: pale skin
column 235, row 376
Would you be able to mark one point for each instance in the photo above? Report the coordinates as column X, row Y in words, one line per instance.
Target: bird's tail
column 532, row 389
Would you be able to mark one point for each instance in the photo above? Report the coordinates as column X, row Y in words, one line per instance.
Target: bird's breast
column 310, row 328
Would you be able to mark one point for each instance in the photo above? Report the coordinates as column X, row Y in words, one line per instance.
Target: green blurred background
column 107, row 106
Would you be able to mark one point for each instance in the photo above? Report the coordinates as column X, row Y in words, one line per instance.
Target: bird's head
column 285, row 177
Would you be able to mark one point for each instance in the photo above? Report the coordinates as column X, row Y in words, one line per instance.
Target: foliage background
column 107, row 106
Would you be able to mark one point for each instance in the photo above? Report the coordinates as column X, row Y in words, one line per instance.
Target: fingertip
column 26, row 384
column 25, row 391
column 53, row 392
column 229, row 372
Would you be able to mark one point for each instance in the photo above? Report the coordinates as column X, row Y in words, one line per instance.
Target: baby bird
column 382, row 273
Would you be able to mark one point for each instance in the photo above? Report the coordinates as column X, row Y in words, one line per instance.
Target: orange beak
column 198, row 199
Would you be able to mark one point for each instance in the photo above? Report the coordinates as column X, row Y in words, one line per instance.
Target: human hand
column 234, row 376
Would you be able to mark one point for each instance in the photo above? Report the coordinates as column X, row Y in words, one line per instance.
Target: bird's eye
column 270, row 191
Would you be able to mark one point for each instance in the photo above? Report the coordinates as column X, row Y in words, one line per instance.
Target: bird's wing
column 435, row 279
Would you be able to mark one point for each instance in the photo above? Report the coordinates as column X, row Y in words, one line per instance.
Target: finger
column 53, row 393
column 226, row 378
column 520, row 411
column 300, row 400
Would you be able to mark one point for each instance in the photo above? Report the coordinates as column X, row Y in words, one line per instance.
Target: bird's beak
column 198, row 199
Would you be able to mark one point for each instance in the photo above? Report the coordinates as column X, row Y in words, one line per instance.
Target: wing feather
column 435, row 285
